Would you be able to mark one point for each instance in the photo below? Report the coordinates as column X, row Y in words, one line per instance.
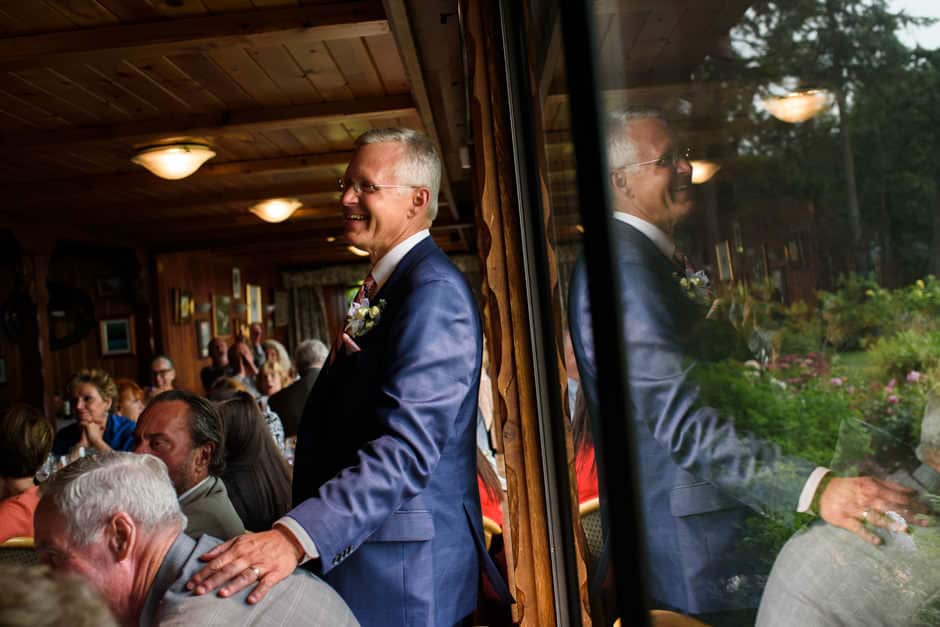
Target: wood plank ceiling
column 278, row 88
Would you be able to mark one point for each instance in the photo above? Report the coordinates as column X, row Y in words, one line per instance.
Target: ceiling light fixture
column 797, row 106
column 357, row 251
column 703, row 171
column 276, row 209
column 173, row 161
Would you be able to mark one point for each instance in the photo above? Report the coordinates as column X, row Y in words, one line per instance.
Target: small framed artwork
column 253, row 300
column 236, row 283
column 203, row 337
column 108, row 286
column 3, row 370
column 183, row 305
column 723, row 255
column 221, row 315
column 795, row 252
column 281, row 306
column 117, row 336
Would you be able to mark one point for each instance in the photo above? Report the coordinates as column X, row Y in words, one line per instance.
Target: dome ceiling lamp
column 797, row 106
column 173, row 161
column 276, row 209
column 703, row 171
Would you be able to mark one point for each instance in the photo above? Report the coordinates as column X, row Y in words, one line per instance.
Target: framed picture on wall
column 723, row 255
column 253, row 300
column 117, row 336
column 281, row 306
column 221, row 315
column 236, row 283
column 183, row 305
column 203, row 337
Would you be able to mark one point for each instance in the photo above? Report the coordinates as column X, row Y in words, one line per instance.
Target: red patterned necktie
column 365, row 291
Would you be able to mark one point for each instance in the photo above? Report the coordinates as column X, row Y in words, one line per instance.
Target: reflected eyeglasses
column 370, row 188
column 669, row 160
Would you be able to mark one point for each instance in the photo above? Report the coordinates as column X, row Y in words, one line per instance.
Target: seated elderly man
column 289, row 402
column 825, row 576
column 115, row 520
column 185, row 431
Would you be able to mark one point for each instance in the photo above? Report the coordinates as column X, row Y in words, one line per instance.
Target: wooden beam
column 270, row 27
column 94, row 212
column 210, row 125
column 54, row 191
column 400, row 25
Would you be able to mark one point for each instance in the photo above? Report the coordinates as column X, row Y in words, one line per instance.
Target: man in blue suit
column 386, row 502
column 699, row 477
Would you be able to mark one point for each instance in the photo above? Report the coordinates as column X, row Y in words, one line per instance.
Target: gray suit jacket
column 827, row 576
column 301, row 599
column 209, row 511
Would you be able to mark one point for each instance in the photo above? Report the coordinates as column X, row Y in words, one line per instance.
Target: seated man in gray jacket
column 825, row 576
column 185, row 431
column 115, row 520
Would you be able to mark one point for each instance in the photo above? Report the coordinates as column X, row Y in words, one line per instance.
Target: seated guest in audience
column 164, row 376
column 94, row 394
column 271, row 379
column 275, row 351
column 128, row 542
column 218, row 353
column 25, row 441
column 229, row 387
column 131, row 399
column 289, row 402
column 243, row 365
column 256, row 475
column 185, row 431
column 825, row 576
column 254, row 339
column 34, row 596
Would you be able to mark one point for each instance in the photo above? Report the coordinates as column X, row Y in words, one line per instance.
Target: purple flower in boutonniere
column 362, row 317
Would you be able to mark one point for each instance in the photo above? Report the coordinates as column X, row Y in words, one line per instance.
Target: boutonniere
column 362, row 317
column 696, row 286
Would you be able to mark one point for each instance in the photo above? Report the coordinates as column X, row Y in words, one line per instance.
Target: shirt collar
column 656, row 235
column 384, row 267
column 192, row 489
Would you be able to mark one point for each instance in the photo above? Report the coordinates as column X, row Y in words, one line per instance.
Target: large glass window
column 770, row 229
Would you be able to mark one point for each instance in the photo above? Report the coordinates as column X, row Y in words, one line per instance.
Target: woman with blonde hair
column 275, row 351
column 94, row 396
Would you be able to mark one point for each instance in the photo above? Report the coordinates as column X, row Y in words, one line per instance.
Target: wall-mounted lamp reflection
column 797, row 106
column 357, row 251
column 703, row 171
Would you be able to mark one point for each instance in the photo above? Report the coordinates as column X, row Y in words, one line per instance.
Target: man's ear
column 420, row 200
column 202, row 455
column 122, row 535
column 619, row 182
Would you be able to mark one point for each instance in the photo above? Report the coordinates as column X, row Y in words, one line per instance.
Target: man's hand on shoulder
column 851, row 502
column 253, row 558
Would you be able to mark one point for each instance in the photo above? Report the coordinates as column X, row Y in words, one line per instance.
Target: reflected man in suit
column 699, row 476
column 386, row 502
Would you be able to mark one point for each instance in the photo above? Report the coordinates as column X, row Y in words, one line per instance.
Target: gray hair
column 282, row 357
column 421, row 164
column 89, row 491
column 621, row 150
column 310, row 354
column 34, row 596
column 168, row 361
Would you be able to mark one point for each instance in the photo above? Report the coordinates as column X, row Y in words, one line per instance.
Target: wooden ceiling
column 278, row 88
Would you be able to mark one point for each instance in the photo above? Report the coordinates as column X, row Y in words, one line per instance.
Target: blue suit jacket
column 699, row 477
column 385, row 469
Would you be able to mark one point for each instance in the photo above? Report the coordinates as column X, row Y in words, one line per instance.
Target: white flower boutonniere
column 362, row 317
column 696, row 286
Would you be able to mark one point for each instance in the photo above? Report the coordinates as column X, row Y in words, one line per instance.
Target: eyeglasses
column 370, row 188
column 669, row 160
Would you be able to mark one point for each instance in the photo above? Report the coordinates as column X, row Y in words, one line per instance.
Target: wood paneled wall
column 205, row 275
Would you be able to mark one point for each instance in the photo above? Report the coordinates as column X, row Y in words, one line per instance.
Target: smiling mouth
column 356, row 217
